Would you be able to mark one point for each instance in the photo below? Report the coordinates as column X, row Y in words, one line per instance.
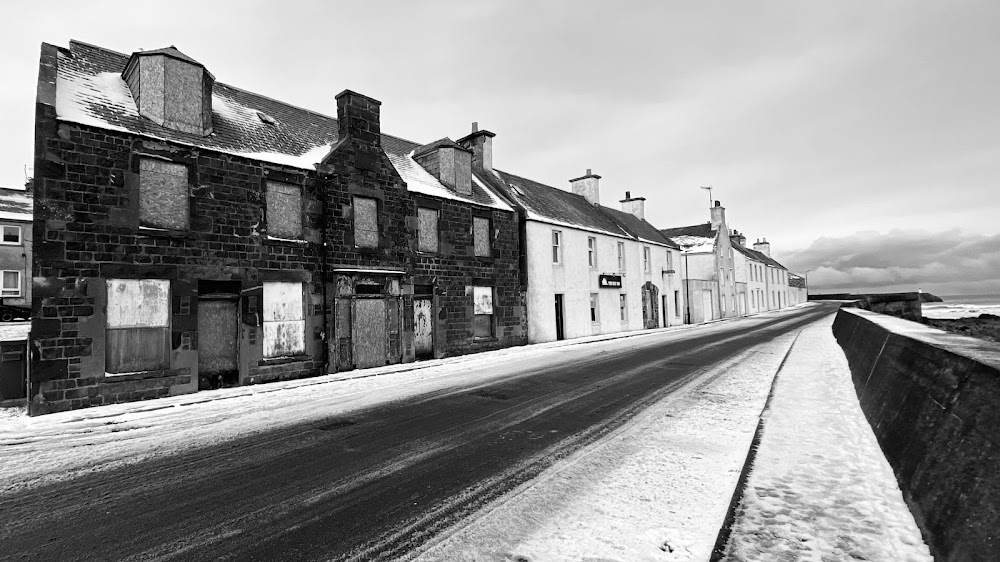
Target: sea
column 962, row 306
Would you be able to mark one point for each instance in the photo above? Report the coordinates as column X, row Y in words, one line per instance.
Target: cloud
column 950, row 261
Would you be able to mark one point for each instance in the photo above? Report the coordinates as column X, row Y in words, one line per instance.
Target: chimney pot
column 475, row 127
column 589, row 172
column 628, row 195
column 717, row 204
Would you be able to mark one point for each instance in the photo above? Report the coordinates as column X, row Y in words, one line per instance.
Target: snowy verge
column 820, row 487
column 657, row 488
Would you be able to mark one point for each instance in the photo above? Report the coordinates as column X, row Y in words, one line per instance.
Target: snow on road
column 820, row 488
column 658, row 489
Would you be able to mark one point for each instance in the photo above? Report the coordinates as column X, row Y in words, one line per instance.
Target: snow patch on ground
column 657, row 489
column 820, row 488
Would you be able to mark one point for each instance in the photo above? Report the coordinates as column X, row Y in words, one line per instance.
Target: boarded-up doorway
column 218, row 341
column 706, row 306
column 369, row 335
column 423, row 328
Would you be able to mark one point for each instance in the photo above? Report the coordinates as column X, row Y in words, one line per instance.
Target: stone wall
column 931, row 399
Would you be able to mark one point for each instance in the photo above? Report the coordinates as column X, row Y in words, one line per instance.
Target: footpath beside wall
column 933, row 401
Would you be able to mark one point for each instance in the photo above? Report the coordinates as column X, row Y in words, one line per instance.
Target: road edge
column 722, row 539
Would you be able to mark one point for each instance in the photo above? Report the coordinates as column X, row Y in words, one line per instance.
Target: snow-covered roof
column 15, row 205
column 91, row 91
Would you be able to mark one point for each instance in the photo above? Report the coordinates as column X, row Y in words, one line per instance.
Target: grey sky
column 811, row 119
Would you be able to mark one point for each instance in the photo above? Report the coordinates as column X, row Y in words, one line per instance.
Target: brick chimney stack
column 358, row 118
column 634, row 205
column 588, row 187
column 718, row 215
column 481, row 145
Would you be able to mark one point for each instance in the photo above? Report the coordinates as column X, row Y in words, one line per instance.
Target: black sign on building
column 609, row 281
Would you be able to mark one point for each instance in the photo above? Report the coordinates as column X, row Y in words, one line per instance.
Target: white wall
column 576, row 281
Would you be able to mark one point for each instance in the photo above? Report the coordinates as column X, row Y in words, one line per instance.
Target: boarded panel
column 369, row 333
column 136, row 303
column 163, row 194
column 706, row 306
column 427, row 234
column 217, row 337
column 137, row 349
column 282, row 301
column 422, row 327
column 283, row 339
column 365, row 222
column 284, row 324
column 343, row 333
column 482, row 300
column 284, row 210
column 481, row 233
column 392, row 325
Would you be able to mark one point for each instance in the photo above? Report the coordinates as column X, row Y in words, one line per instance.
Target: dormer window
column 171, row 89
column 449, row 162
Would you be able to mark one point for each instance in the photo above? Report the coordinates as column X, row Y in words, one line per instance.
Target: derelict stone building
column 190, row 234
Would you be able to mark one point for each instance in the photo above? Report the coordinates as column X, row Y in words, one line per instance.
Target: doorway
column 218, row 341
column 706, row 306
column 560, row 335
column 369, row 335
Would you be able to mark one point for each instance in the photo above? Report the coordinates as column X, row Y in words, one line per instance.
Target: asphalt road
column 376, row 484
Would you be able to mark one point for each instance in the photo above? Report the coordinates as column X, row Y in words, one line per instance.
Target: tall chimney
column 481, row 145
column 587, row 186
column 358, row 118
column 718, row 215
column 634, row 205
column 763, row 247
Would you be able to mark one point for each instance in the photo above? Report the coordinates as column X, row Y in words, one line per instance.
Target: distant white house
column 710, row 284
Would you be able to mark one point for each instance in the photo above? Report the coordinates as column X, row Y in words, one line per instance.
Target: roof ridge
column 246, row 91
column 98, row 47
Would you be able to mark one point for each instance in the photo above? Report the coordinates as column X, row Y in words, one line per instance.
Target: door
column 423, row 328
column 650, row 312
column 369, row 333
column 706, row 306
column 12, row 374
column 218, row 348
column 666, row 312
column 559, row 318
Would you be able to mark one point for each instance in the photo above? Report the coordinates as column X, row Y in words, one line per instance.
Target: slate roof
column 703, row 230
column 639, row 228
column 557, row 206
column 694, row 239
column 91, row 91
column 15, row 205
column 759, row 256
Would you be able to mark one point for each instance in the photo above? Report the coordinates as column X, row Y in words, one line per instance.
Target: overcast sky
column 853, row 135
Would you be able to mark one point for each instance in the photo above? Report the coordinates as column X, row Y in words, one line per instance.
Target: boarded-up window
column 482, row 305
column 163, row 194
column 284, row 210
column 623, row 307
column 481, row 236
column 11, row 284
column 138, row 325
column 284, row 319
column 365, row 222
column 427, row 235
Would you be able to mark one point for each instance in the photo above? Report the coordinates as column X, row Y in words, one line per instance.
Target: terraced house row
column 190, row 235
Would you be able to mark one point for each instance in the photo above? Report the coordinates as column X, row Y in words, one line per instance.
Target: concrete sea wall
column 933, row 400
